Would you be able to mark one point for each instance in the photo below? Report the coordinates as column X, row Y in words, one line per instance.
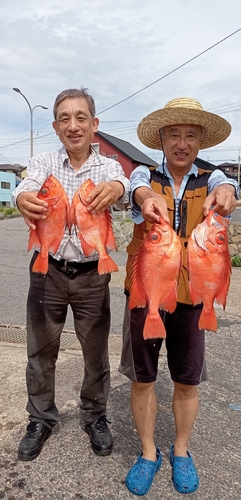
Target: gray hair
column 81, row 93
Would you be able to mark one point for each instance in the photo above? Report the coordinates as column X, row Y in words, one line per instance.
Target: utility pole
column 31, row 117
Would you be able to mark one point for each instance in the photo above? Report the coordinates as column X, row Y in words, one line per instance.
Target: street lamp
column 31, row 118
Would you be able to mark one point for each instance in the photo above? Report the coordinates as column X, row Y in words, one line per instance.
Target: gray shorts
column 185, row 345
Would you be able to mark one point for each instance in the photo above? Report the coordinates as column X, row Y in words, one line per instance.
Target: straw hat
column 183, row 111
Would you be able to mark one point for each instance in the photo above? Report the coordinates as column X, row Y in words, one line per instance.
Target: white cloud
column 116, row 49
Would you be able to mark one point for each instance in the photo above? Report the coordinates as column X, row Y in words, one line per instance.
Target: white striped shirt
column 57, row 163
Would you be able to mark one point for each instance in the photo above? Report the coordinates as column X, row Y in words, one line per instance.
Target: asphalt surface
column 236, row 215
column 67, row 468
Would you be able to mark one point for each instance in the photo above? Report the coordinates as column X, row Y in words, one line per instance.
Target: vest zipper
column 183, row 223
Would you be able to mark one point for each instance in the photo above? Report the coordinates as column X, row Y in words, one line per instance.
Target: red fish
column 209, row 265
column 154, row 276
column 49, row 232
column 94, row 230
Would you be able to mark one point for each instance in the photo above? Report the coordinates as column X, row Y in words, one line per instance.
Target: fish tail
column 41, row 264
column 107, row 265
column 154, row 327
column 208, row 320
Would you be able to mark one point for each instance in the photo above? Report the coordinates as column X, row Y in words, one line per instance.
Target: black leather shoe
column 100, row 436
column 33, row 441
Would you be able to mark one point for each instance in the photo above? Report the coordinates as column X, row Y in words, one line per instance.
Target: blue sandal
column 184, row 474
column 140, row 476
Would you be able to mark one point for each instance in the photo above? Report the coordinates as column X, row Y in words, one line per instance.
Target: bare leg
column 185, row 407
column 144, row 410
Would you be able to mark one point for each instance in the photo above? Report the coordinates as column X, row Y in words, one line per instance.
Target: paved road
column 67, row 469
column 236, row 215
column 14, row 262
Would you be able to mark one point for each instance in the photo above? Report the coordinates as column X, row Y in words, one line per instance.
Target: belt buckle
column 65, row 263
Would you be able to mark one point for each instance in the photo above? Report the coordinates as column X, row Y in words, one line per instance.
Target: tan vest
column 191, row 214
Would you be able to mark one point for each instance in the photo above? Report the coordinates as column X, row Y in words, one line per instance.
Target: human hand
column 153, row 208
column 222, row 200
column 31, row 207
column 104, row 195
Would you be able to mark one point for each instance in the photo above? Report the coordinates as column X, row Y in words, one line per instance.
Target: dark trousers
column 87, row 293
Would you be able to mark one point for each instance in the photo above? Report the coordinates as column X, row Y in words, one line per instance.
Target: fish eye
column 154, row 237
column 45, row 191
column 220, row 238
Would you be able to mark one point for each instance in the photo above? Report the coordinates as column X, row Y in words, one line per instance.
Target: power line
column 170, row 72
column 4, row 157
column 25, row 140
column 224, row 106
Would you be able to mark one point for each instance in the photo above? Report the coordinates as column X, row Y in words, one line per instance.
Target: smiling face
column 75, row 126
column 181, row 144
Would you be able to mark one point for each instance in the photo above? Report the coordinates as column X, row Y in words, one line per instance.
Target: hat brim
column 217, row 129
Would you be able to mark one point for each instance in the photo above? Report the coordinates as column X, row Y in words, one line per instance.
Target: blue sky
column 115, row 49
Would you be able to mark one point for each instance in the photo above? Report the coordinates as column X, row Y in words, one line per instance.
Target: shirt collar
column 193, row 170
column 93, row 159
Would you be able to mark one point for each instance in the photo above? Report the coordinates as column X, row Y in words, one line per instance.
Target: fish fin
column 107, row 265
column 195, row 298
column 72, row 215
column 54, row 246
column 136, row 299
column 33, row 241
column 222, row 296
column 87, row 249
column 69, row 216
column 41, row 264
column 170, row 302
column 111, row 241
column 208, row 320
column 154, row 327
column 180, row 268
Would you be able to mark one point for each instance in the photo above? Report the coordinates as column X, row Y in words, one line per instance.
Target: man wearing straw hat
column 183, row 195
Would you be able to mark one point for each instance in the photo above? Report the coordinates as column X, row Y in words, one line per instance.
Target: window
column 115, row 157
column 5, row 204
column 5, row 185
column 96, row 146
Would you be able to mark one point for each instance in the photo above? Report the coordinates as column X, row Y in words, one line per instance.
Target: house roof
column 125, row 147
column 228, row 164
column 204, row 164
column 5, row 167
column 209, row 166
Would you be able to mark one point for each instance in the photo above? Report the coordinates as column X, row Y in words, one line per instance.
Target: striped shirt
column 141, row 176
column 57, row 163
